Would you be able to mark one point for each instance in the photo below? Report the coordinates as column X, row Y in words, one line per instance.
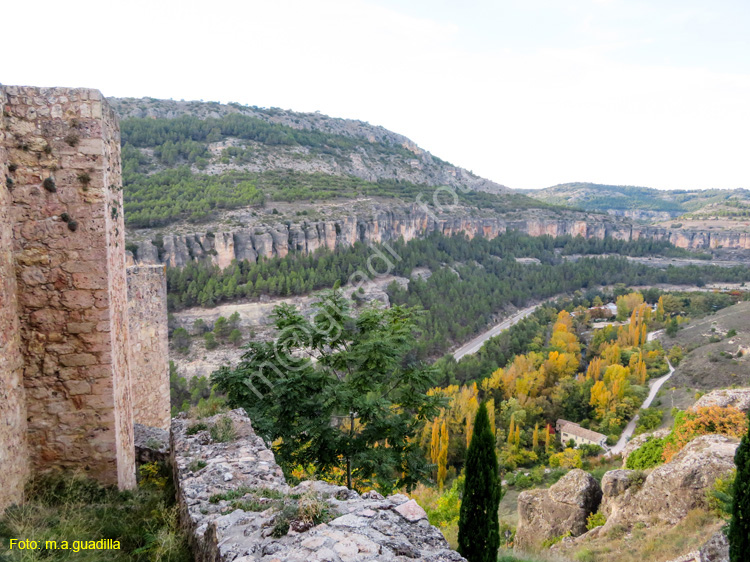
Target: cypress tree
column 478, row 526
column 739, row 526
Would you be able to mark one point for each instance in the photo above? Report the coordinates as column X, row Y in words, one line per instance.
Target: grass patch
column 223, row 431
column 659, row 542
column 75, row 508
column 196, row 465
column 197, row 427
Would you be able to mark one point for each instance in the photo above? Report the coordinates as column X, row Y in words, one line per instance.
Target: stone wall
column 265, row 519
column 149, row 345
column 68, row 243
column 13, row 449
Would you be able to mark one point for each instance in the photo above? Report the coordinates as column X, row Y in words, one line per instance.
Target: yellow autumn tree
column 638, row 369
column 491, row 413
column 594, row 370
column 470, row 415
column 442, row 460
column 563, row 339
column 611, row 354
column 660, row 310
column 558, row 366
column 608, row 392
column 631, row 300
column 435, row 441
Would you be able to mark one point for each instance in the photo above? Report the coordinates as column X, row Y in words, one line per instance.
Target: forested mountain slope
column 227, row 156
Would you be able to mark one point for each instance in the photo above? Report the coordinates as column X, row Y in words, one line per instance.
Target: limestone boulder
column 561, row 509
column 667, row 493
column 737, row 397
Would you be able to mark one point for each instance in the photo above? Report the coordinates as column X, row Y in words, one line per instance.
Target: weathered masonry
column 149, row 345
column 66, row 396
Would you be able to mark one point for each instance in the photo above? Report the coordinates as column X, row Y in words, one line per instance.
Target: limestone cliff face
column 407, row 222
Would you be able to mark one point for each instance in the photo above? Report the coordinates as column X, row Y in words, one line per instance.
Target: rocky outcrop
column 237, row 507
column 670, row 491
column 715, row 550
column 392, row 223
column 151, row 444
column 737, row 397
column 563, row 508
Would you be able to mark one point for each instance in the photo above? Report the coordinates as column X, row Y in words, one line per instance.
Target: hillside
column 717, row 350
column 643, row 203
column 187, row 160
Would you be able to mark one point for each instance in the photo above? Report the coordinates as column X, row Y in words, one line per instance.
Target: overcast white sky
column 528, row 93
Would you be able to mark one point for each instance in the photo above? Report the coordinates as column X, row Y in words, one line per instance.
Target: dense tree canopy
column 354, row 412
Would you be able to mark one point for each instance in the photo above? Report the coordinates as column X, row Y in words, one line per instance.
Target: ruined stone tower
column 65, row 365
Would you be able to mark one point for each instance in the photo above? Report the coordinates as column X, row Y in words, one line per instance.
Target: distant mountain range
column 644, row 203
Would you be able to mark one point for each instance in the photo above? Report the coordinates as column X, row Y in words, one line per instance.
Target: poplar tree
column 443, row 456
column 739, row 526
column 478, row 526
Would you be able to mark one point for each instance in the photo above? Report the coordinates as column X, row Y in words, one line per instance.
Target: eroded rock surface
column 715, row 550
column 561, row 509
column 737, row 397
column 670, row 491
column 237, row 507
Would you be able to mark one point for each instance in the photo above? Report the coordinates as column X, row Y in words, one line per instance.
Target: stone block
column 78, row 359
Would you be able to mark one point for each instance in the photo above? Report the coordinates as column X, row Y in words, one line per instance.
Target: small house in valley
column 568, row 431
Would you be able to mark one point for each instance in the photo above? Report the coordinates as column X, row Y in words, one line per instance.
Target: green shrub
column 210, row 341
column 595, row 520
column 196, row 427
column 648, row 420
column 648, row 455
column 721, row 495
column 554, row 540
column 636, row 479
column 196, row 465
column 588, row 450
column 524, row 482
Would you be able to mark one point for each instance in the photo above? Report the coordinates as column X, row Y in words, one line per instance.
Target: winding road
column 476, row 344
column 654, row 386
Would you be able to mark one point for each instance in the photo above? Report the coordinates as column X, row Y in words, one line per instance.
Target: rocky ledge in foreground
column 662, row 496
column 236, row 506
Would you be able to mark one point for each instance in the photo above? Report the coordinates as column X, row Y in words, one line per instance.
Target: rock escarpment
column 662, row 496
column 237, row 506
column 671, row 490
column 407, row 222
column 563, row 508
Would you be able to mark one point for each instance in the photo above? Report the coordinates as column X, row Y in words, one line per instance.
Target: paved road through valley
column 476, row 344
